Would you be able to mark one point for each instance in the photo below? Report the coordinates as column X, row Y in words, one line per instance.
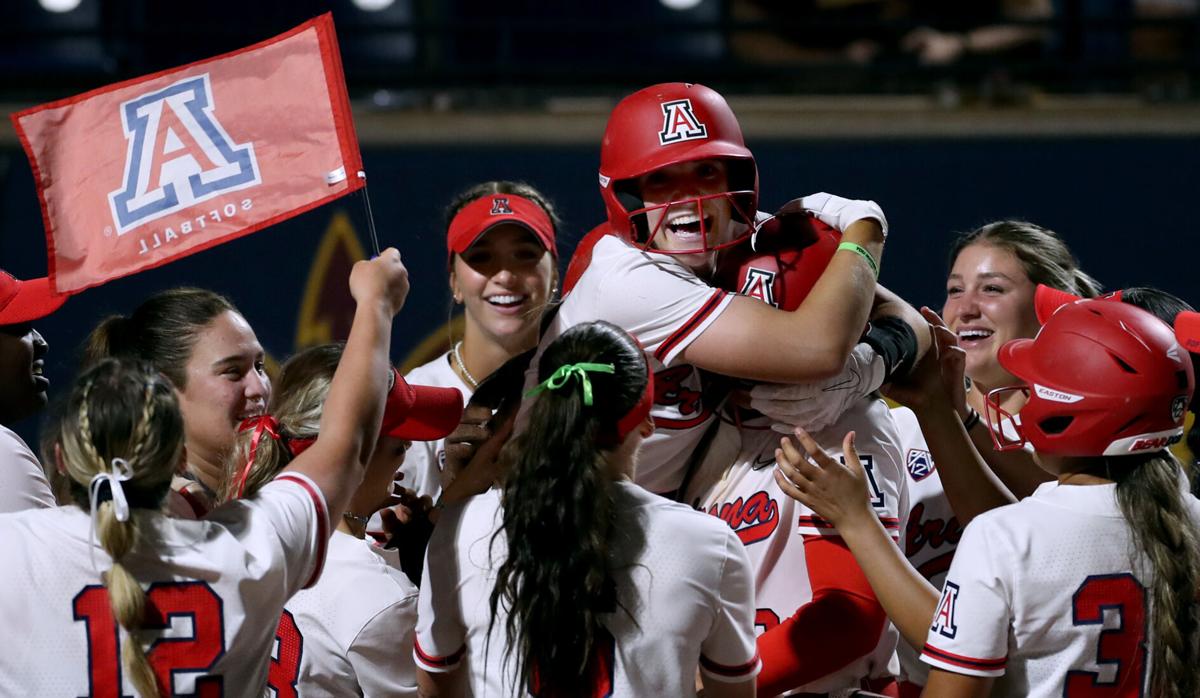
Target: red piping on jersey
column 890, row 523
column 688, row 327
column 322, row 523
column 963, row 661
column 435, row 661
column 730, row 670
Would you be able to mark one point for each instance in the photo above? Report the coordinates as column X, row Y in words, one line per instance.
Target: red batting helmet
column 1103, row 378
column 783, row 265
column 669, row 124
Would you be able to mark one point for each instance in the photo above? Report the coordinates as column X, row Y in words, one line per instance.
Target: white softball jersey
column 214, row 592
column 666, row 307
column 931, row 530
column 687, row 585
column 423, row 462
column 1049, row 595
column 772, row 525
column 349, row 634
column 23, row 483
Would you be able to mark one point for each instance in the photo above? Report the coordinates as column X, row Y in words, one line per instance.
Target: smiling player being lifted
column 678, row 184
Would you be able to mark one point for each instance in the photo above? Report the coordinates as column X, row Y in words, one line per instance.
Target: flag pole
column 366, row 197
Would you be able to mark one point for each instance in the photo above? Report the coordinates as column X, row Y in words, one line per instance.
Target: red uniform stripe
column 322, row 523
column 964, row 661
column 693, row 322
column 725, row 670
column 435, row 661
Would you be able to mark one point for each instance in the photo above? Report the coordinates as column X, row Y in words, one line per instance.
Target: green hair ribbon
column 568, row 371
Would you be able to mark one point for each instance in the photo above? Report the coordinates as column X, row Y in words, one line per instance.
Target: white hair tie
column 121, row 472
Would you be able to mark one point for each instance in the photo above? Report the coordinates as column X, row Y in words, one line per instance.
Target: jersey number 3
column 1121, row 649
column 194, row 603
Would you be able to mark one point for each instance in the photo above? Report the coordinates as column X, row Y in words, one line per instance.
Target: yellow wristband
column 864, row 253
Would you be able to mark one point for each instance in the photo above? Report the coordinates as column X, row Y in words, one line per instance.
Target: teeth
column 37, row 369
column 974, row 334
column 685, row 219
column 505, row 299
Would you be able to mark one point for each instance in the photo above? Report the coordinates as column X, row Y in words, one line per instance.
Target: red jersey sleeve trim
column 322, row 523
column 664, row 350
column 734, row 671
column 963, row 661
column 435, row 661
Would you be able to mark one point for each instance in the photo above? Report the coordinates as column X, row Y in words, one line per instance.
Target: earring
column 457, row 299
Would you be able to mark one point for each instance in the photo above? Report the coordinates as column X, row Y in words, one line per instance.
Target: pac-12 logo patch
column 920, row 464
column 500, row 206
column 178, row 154
column 943, row 621
column 680, row 123
column 760, row 284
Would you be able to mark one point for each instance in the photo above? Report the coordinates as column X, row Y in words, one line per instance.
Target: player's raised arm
column 351, row 419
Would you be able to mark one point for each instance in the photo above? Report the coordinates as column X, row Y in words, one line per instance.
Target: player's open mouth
column 970, row 337
column 39, row 377
column 688, row 226
column 252, row 413
column 506, row 300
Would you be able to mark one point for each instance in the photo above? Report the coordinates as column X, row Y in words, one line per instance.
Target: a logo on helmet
column 1178, row 405
column 680, row 123
column 1055, row 395
column 500, row 206
column 760, row 284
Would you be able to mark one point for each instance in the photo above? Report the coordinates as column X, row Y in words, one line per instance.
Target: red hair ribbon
column 260, row 424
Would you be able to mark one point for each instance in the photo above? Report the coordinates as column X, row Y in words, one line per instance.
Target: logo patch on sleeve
column 943, row 621
column 920, row 464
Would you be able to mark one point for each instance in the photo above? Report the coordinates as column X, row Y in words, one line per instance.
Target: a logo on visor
column 500, row 206
column 1055, row 395
column 680, row 123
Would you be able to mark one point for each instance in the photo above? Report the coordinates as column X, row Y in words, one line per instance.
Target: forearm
column 907, row 598
column 840, row 303
column 352, row 412
column 970, row 485
column 1016, row 469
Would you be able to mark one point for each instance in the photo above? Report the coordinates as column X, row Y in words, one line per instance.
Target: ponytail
column 294, row 415
column 558, row 514
column 122, row 439
column 1149, row 497
column 162, row 330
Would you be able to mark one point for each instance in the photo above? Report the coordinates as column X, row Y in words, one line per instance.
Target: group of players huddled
column 678, row 475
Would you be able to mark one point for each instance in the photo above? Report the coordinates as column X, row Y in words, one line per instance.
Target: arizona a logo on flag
column 134, row 175
column 178, row 154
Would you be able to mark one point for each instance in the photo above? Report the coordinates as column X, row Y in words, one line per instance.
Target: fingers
column 814, row 450
column 853, row 463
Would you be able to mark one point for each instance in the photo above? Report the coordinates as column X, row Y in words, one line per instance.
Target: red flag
column 136, row 174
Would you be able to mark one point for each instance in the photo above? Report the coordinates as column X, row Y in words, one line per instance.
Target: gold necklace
column 462, row 367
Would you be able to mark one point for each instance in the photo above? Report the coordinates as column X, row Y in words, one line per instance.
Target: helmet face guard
column 670, row 124
column 644, row 237
column 995, row 416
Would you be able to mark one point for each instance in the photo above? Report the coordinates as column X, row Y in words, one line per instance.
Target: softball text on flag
column 134, row 175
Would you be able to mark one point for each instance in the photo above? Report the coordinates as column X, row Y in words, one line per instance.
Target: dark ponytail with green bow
column 558, row 508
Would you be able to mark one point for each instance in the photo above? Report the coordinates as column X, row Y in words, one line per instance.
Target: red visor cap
column 487, row 212
column 23, row 301
column 420, row 412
